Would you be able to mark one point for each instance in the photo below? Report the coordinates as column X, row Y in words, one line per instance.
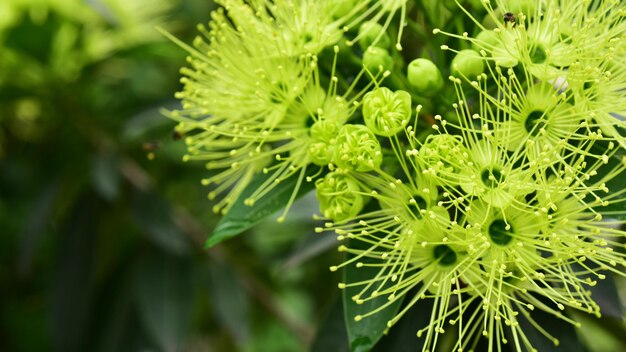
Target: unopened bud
column 377, row 59
column 370, row 35
column 424, row 77
column 467, row 63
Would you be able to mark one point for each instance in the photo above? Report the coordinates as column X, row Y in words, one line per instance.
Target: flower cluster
column 488, row 193
column 255, row 100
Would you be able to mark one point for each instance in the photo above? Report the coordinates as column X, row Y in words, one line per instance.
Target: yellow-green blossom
column 253, row 101
column 497, row 216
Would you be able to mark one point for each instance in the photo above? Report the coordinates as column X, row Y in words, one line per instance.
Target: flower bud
column 424, row 77
column 357, row 149
column 443, row 153
column 343, row 8
column 467, row 63
column 369, row 32
column 493, row 19
column 385, row 112
column 339, row 196
column 321, row 148
column 377, row 59
column 487, row 40
column 477, row 5
column 323, row 131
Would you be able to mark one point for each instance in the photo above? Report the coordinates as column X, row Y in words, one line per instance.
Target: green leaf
column 116, row 317
column 230, row 302
column 332, row 335
column 364, row 334
column 154, row 216
column 35, row 225
column 601, row 335
column 241, row 217
column 72, row 297
column 105, row 175
column 402, row 337
column 606, row 295
column 164, row 293
column 563, row 331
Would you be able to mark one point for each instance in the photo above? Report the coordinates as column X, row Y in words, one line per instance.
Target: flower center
column 535, row 121
column 491, row 178
column 538, row 54
column 310, row 120
column 444, row 255
column 499, row 234
column 420, row 203
column 589, row 88
column 279, row 93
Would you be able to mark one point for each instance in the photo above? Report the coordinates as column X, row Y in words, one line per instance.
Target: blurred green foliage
column 101, row 248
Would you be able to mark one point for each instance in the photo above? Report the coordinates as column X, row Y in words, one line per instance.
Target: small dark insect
column 509, row 18
column 176, row 135
column 151, row 146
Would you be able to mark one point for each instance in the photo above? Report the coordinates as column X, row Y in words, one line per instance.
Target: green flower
column 547, row 39
column 253, row 93
column 490, row 175
column 600, row 95
column 508, row 257
column 325, row 129
column 536, row 119
column 413, row 242
column 440, row 157
column 385, row 112
column 233, row 105
column 294, row 28
column 357, row 149
column 535, row 122
column 340, row 196
column 509, row 201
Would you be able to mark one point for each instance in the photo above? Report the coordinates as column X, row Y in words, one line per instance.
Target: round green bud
column 339, row 196
column 343, row 8
column 320, row 150
column 323, row 131
column 467, row 63
column 357, row 149
column 385, row 112
column 487, row 40
column 377, row 59
column 369, row 32
column 424, row 77
column 477, row 5
column 493, row 20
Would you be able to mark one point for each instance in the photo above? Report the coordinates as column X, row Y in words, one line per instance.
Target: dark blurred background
column 102, row 225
